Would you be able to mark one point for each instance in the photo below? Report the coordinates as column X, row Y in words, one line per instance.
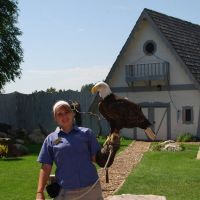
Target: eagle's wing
column 119, row 109
column 105, row 112
column 129, row 115
column 122, row 113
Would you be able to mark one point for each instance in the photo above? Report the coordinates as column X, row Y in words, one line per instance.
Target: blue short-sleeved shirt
column 72, row 154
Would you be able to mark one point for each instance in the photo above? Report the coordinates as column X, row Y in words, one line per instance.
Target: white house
column 159, row 68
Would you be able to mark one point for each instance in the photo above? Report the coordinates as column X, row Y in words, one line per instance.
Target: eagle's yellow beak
column 94, row 90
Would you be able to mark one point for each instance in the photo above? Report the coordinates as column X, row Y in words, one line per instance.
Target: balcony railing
column 147, row 72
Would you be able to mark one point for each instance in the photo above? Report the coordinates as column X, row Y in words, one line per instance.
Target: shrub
column 3, row 150
column 156, row 147
column 182, row 147
column 186, row 137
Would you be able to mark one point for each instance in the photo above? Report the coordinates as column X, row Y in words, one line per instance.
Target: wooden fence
column 30, row 111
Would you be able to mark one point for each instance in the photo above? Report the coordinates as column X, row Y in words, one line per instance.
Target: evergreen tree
column 87, row 87
column 51, row 90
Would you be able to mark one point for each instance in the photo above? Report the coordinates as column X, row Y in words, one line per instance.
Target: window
column 149, row 47
column 187, row 114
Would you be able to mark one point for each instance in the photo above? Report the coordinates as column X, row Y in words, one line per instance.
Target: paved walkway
column 122, row 166
column 136, row 197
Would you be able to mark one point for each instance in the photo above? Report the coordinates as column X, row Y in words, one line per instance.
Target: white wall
column 134, row 54
column 179, row 98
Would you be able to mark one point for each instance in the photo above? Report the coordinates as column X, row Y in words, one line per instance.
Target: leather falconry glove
column 112, row 144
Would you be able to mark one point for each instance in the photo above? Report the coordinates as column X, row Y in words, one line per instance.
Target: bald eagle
column 120, row 112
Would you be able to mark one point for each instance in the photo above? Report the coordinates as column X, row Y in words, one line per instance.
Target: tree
column 36, row 91
column 87, row 87
column 51, row 90
column 11, row 53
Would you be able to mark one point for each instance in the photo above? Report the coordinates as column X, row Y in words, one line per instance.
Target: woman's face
column 64, row 116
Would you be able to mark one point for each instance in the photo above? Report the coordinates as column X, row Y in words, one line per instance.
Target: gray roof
column 183, row 38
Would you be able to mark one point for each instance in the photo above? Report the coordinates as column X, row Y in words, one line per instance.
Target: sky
column 70, row 43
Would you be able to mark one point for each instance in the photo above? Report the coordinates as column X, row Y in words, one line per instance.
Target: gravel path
column 122, row 166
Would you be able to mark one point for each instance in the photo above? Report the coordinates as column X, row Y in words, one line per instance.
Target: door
column 160, row 123
column 159, row 116
column 140, row 134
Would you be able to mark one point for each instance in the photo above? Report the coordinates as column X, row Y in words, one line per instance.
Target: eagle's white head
column 102, row 88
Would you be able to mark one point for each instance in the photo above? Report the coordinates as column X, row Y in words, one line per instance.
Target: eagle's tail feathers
column 150, row 134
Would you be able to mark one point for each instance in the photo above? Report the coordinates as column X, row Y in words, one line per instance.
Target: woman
column 73, row 150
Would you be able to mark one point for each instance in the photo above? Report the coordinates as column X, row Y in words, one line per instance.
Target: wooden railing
column 150, row 71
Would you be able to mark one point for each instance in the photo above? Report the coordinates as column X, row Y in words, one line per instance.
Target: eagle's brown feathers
column 122, row 113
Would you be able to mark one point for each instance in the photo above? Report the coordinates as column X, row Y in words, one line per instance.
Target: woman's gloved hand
column 111, row 145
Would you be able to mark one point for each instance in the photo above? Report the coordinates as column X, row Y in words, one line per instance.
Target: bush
column 182, row 147
column 186, row 137
column 156, row 147
column 3, row 150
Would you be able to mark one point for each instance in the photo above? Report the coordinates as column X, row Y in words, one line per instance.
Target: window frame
column 184, row 108
column 144, row 47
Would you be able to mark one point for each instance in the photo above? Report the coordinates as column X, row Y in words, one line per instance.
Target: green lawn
column 175, row 175
column 19, row 176
column 123, row 142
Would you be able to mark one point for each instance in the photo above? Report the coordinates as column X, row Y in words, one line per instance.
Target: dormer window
column 149, row 47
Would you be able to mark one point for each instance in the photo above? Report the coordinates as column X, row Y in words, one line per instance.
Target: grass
column 175, row 175
column 19, row 176
column 124, row 142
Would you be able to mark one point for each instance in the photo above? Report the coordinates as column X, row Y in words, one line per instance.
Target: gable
column 134, row 54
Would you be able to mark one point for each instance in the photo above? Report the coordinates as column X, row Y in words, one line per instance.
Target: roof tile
column 183, row 36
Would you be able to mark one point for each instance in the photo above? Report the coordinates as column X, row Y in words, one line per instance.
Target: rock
column 167, row 142
column 5, row 141
column 3, row 135
column 36, row 136
column 12, row 150
column 172, row 147
column 15, row 150
column 5, row 127
column 136, row 197
column 21, row 149
column 169, row 145
column 19, row 133
column 19, row 141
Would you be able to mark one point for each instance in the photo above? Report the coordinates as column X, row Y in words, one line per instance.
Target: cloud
column 69, row 78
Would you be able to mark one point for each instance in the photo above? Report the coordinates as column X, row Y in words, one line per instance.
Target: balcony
column 147, row 72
